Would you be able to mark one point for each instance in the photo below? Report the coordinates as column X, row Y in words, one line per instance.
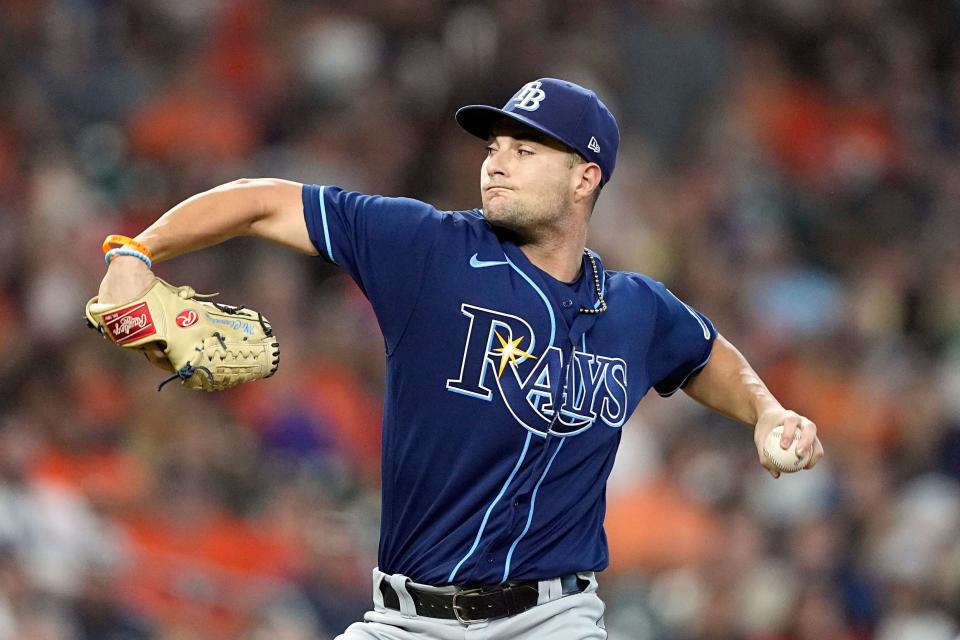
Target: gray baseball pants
column 557, row 617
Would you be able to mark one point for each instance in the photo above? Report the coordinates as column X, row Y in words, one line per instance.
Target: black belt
column 478, row 605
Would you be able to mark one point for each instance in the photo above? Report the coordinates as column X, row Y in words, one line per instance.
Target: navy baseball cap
column 562, row 110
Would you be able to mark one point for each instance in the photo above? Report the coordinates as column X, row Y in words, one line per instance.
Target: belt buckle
column 456, row 607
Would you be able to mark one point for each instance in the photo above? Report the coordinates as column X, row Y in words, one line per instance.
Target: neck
column 561, row 255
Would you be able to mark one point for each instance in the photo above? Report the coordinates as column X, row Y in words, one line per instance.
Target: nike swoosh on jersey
column 480, row 264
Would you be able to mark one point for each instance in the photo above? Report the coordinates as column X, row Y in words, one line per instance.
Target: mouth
column 494, row 188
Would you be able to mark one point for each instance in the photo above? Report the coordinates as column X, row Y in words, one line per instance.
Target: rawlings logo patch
column 187, row 317
column 130, row 323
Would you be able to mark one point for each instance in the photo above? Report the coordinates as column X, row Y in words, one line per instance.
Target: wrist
column 127, row 263
column 126, row 279
column 126, row 247
column 127, row 244
column 766, row 406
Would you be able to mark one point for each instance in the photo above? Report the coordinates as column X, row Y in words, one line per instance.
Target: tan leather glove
column 211, row 346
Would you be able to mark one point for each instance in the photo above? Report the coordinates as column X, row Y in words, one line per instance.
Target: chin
column 497, row 213
column 491, row 211
column 504, row 220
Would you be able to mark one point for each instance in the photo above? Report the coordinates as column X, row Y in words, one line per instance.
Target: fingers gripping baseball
column 787, row 442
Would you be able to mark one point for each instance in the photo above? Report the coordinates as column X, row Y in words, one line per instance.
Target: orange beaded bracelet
column 130, row 242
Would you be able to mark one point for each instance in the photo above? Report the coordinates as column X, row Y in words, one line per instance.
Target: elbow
column 243, row 197
column 244, row 184
column 258, row 185
column 258, row 195
column 274, row 209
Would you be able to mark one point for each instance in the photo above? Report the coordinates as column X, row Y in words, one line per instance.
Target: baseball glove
column 211, row 346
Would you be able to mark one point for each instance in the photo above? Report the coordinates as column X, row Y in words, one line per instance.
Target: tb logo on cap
column 530, row 96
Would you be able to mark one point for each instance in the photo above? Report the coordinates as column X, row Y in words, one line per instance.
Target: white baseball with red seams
column 785, row 460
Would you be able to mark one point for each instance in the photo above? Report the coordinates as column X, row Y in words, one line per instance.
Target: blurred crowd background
column 789, row 167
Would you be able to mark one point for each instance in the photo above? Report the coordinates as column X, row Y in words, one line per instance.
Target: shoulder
column 634, row 283
column 397, row 204
column 640, row 293
column 469, row 219
column 348, row 198
column 467, row 222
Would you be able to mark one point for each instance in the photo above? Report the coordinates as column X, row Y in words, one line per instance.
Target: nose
column 495, row 163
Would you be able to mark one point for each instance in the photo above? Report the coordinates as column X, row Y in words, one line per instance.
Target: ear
column 586, row 181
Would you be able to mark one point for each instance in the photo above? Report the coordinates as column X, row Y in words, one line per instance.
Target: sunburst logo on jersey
column 546, row 397
column 510, row 351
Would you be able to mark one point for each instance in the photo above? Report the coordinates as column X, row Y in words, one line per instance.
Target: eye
column 490, row 150
column 524, row 151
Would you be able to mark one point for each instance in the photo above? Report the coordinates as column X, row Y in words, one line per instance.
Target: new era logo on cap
column 563, row 110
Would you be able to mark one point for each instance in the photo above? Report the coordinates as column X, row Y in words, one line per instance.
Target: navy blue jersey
column 503, row 402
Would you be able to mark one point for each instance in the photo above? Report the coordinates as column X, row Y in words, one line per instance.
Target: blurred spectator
column 790, row 167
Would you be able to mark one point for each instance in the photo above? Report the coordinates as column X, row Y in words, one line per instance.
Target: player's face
column 526, row 178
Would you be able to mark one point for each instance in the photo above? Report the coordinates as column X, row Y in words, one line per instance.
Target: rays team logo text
column 503, row 361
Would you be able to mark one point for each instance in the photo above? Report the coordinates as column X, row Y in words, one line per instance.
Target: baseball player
column 513, row 360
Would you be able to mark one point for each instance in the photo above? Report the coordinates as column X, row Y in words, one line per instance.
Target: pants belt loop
column 591, row 577
column 378, row 577
column 550, row 590
column 407, row 608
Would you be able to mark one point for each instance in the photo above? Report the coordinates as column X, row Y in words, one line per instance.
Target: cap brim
column 479, row 119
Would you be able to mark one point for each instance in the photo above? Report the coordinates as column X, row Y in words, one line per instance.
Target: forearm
column 729, row 385
column 269, row 209
column 264, row 208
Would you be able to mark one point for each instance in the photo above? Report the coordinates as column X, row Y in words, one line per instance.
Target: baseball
column 785, row 460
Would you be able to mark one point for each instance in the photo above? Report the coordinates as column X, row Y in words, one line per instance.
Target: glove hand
column 126, row 279
column 208, row 346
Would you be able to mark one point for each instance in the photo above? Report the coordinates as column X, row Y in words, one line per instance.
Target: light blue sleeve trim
column 326, row 229
column 695, row 371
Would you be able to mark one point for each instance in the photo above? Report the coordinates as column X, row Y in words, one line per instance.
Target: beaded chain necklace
column 596, row 287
